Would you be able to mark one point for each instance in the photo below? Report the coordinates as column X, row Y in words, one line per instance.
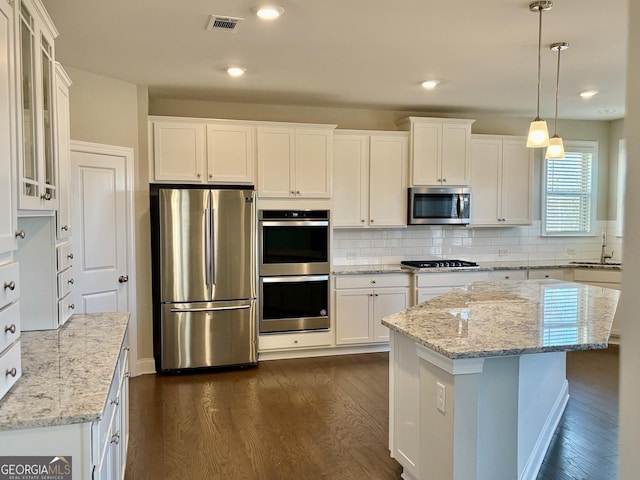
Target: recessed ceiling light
column 588, row 93
column 236, row 71
column 607, row 111
column 430, row 84
column 269, row 12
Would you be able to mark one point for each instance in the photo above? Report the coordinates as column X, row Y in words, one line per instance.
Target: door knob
column 10, row 285
column 123, row 278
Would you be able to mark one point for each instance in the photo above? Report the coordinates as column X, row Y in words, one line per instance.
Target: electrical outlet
column 441, row 396
column 503, row 252
column 352, row 254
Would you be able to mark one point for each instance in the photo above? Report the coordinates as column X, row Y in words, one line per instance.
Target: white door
column 101, row 229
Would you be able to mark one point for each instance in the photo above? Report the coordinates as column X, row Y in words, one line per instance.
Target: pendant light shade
column 538, row 132
column 556, row 145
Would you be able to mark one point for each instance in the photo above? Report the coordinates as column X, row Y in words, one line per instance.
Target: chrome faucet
column 603, row 255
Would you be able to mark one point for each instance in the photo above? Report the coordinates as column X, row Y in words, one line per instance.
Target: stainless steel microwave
column 439, row 206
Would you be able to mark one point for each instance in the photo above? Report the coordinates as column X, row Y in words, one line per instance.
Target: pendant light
column 556, row 146
column 538, row 132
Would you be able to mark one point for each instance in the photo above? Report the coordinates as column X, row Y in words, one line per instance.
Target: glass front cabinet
column 37, row 172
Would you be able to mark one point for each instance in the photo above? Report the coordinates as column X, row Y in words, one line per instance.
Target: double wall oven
column 293, row 270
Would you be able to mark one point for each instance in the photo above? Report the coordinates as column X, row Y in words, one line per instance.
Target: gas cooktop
column 439, row 263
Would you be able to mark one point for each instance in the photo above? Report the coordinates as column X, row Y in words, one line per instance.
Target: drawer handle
column 13, row 372
column 10, row 285
column 21, row 234
column 70, row 281
column 11, row 328
column 115, row 401
column 70, row 256
column 72, row 306
column 115, row 438
column 65, row 227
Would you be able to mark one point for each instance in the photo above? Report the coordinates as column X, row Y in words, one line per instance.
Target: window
column 569, row 199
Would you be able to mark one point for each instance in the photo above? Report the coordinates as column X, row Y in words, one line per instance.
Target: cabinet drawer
column 65, row 282
column 10, row 368
column 368, row 281
column 9, row 325
column 10, row 283
column 64, row 256
column 290, row 341
column 557, row 273
column 598, row 276
column 65, row 309
column 454, row 279
column 113, row 400
column 497, row 275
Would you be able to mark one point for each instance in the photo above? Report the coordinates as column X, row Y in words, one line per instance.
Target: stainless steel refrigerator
column 204, row 277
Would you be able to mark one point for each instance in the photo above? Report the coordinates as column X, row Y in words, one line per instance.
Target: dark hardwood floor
column 327, row 418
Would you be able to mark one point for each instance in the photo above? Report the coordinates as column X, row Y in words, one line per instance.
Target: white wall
column 630, row 304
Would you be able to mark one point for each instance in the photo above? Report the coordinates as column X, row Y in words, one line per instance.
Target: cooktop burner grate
column 438, row 263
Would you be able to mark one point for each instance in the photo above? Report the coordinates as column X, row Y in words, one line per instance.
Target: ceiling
column 358, row 53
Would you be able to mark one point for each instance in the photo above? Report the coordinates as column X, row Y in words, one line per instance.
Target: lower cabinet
column 601, row 278
column 431, row 285
column 361, row 301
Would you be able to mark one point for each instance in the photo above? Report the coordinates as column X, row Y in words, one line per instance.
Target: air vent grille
column 223, row 24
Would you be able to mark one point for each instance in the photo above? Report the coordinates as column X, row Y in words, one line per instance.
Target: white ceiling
column 365, row 53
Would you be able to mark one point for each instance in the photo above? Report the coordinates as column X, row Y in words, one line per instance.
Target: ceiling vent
column 219, row 23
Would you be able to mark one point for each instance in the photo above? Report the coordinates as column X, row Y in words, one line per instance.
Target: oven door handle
column 300, row 278
column 212, row 309
column 295, row 223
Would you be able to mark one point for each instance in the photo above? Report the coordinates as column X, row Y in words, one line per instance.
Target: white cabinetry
column 440, row 150
column 37, row 171
column 431, row 285
column 63, row 152
column 497, row 275
column 199, row 151
column 10, row 328
column 295, row 161
column 370, row 179
column 361, row 303
column 550, row 273
column 501, row 181
column 601, row 278
column 7, row 130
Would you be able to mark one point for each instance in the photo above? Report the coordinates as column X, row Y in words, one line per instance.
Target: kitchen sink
column 613, row 264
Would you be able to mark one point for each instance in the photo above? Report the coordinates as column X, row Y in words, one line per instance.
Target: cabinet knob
column 72, row 306
column 373, row 281
column 70, row 256
column 210, row 175
column 507, row 277
column 115, row 401
column 444, row 179
column 375, row 294
column 11, row 372
column 115, row 438
column 297, row 192
column 295, row 341
column 372, row 220
column 21, row 234
column 123, row 278
column 46, row 196
column 65, row 228
column 546, row 276
column 10, row 328
column 293, row 192
column 197, row 175
column 71, row 281
column 10, row 285
column 362, row 221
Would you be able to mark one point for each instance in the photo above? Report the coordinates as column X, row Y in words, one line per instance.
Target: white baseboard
column 145, row 366
column 532, row 467
column 321, row 352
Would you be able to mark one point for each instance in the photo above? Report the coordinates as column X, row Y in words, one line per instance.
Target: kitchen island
column 478, row 375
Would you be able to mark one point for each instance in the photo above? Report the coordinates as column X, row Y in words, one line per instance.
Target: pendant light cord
column 539, row 63
column 555, row 124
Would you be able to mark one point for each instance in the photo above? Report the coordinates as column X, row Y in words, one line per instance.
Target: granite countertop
column 66, row 373
column 490, row 319
column 482, row 267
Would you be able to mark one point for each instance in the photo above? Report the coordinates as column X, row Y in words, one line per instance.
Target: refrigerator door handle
column 207, row 247
column 212, row 245
column 212, row 309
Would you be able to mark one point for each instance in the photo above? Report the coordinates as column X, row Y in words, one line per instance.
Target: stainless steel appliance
column 439, row 206
column 294, row 270
column 204, row 277
column 441, row 263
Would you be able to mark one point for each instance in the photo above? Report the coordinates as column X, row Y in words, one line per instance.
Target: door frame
column 128, row 154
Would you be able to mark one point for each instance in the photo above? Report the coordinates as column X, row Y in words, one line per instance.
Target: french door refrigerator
column 204, row 277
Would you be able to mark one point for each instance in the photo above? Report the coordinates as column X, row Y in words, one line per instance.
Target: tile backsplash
column 390, row 246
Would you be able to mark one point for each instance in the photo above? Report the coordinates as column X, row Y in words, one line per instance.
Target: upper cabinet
column 370, row 179
column 501, row 181
column 37, row 171
column 440, row 150
column 295, row 161
column 199, row 151
column 63, row 152
column 7, row 131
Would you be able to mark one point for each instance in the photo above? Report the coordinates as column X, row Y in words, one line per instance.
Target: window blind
column 568, row 194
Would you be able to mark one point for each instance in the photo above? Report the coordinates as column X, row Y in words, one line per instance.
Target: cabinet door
column 485, row 181
column 387, row 301
column 354, row 309
column 179, row 151
column 7, row 131
column 313, row 159
column 387, row 181
column 275, row 161
column 456, row 154
column 230, row 154
column 350, row 180
column 426, row 153
column 63, row 153
column 517, row 182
